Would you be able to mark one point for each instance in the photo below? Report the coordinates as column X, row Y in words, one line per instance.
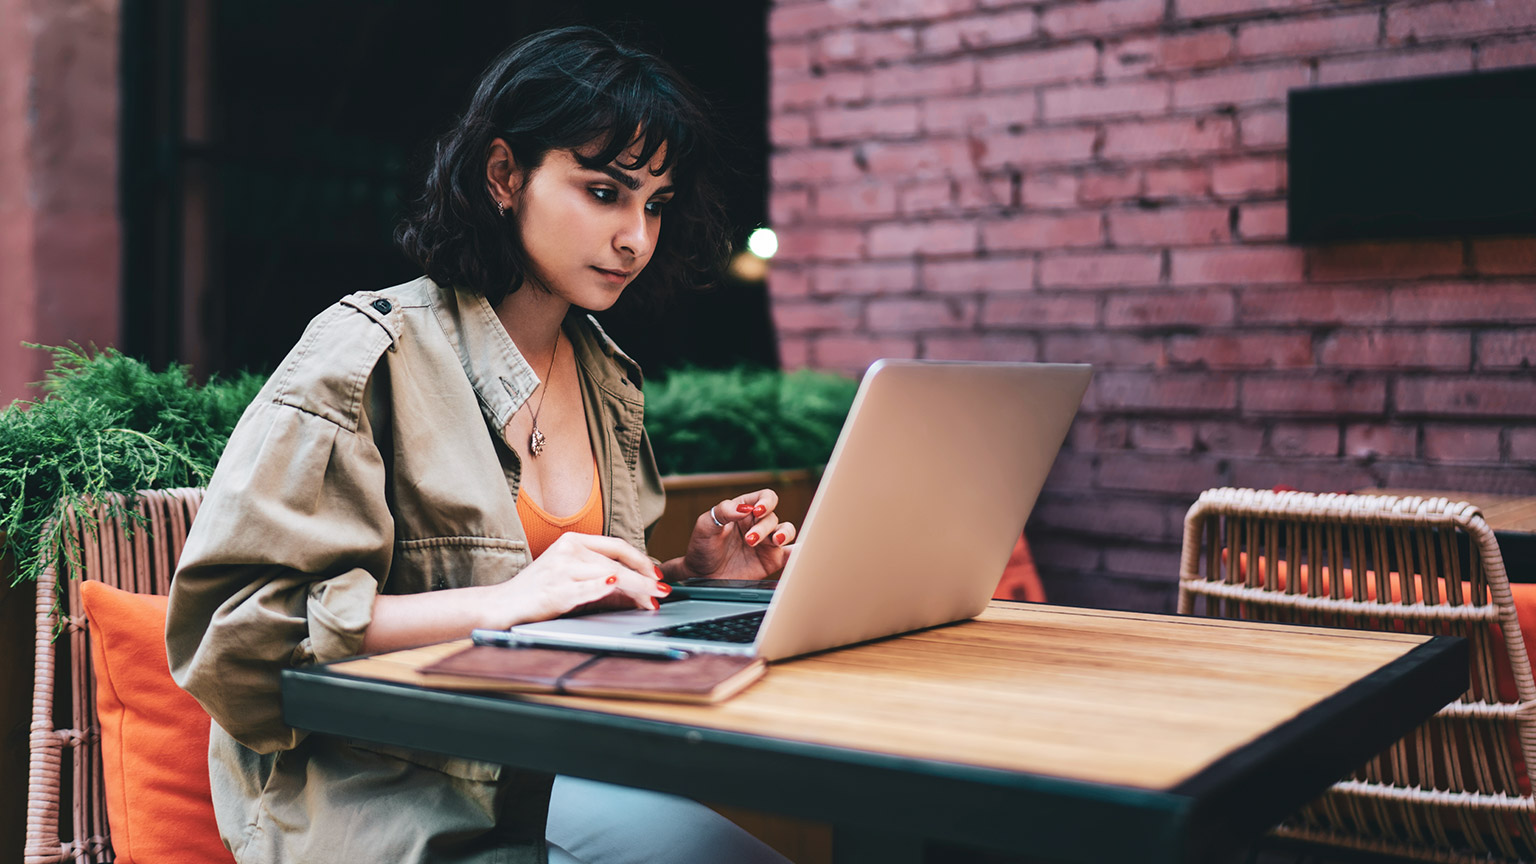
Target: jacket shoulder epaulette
column 326, row 372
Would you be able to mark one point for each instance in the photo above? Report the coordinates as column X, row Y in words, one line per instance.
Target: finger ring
column 718, row 523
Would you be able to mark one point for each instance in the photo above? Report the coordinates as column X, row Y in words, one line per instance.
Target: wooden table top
column 1505, row 514
column 1064, row 733
column 1109, row 697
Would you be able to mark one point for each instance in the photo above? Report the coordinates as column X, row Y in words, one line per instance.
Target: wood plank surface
column 1113, row 697
column 1505, row 514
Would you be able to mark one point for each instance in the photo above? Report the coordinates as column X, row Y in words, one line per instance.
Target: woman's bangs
column 660, row 130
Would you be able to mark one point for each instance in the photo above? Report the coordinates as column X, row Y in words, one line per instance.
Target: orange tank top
column 543, row 529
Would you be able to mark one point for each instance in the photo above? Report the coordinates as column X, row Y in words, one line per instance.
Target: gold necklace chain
column 536, row 438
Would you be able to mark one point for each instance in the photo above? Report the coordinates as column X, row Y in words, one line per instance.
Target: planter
column 689, row 495
column 18, row 608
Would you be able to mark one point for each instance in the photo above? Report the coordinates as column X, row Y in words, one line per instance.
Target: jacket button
column 383, row 306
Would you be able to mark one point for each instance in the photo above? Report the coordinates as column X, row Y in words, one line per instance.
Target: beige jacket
column 372, row 462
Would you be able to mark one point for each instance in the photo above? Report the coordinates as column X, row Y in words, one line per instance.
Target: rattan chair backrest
column 1458, row 788
column 66, row 805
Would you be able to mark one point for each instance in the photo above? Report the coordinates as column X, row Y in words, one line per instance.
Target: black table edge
column 1227, row 807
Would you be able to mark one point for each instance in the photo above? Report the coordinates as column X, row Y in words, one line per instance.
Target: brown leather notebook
column 699, row 678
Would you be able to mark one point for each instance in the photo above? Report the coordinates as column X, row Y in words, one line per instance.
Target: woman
column 408, row 475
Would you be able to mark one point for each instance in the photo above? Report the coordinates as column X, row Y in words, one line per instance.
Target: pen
column 506, row 639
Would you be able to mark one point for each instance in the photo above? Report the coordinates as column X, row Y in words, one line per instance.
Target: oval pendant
column 536, row 442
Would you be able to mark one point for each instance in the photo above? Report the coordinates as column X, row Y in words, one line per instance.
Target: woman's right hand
column 578, row 572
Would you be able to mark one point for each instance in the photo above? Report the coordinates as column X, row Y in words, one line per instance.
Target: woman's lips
column 614, row 276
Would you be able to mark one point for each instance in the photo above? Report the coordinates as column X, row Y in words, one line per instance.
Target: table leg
column 855, row 845
column 1519, row 552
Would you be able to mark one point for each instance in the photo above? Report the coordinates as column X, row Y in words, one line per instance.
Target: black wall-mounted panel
column 1442, row 156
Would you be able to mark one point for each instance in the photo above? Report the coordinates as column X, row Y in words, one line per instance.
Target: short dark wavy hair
column 563, row 89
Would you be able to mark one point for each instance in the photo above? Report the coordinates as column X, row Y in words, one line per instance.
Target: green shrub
column 745, row 419
column 106, row 423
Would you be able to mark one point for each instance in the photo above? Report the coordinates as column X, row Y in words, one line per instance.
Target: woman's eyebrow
column 630, row 181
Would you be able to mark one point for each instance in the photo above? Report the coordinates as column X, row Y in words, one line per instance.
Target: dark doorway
column 269, row 148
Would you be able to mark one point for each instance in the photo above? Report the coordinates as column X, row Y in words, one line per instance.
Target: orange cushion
column 1020, row 579
column 1524, row 596
column 154, row 737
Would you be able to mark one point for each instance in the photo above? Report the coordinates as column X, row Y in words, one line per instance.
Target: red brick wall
column 60, row 241
column 1104, row 181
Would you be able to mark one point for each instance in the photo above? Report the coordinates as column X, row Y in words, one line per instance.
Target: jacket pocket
column 436, row 563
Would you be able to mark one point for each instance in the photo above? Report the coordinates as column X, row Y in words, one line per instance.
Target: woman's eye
column 604, row 194
column 655, row 207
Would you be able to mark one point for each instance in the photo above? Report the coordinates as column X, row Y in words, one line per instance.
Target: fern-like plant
column 745, row 419
column 106, row 423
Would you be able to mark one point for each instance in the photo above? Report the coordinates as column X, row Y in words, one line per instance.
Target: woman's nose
column 634, row 234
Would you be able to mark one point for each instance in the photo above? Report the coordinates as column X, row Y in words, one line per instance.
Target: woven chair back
column 66, row 802
column 1456, row 789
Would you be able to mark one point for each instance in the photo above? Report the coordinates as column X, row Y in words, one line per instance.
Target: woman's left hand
column 739, row 538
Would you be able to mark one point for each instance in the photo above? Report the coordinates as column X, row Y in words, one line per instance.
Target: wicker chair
column 66, row 759
column 1458, row 788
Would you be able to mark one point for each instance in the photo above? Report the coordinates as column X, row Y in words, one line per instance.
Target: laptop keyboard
column 733, row 628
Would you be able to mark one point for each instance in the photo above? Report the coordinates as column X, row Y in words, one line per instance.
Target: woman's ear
column 502, row 177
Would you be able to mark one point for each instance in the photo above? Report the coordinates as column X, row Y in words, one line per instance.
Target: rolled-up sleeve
column 281, row 568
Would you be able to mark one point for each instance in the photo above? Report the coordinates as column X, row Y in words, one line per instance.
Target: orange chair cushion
column 1020, row 579
column 1524, row 596
column 154, row 737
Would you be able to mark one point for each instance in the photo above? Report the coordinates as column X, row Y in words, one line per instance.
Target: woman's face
column 589, row 232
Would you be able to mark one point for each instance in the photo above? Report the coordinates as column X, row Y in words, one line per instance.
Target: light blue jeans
column 599, row 823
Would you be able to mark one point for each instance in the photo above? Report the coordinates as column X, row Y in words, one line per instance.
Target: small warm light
column 747, row 267
column 763, row 243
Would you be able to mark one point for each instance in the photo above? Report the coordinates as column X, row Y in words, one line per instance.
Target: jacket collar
column 502, row 378
column 601, row 359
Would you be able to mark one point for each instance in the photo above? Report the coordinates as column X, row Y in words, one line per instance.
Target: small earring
column 501, row 209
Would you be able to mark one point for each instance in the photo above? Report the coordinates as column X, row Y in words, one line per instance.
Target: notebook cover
column 699, row 678
column 528, row 669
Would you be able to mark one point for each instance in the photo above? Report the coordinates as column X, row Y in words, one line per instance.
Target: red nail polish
column 658, row 573
column 664, row 588
column 752, row 539
column 655, row 604
column 743, row 508
column 760, row 510
column 779, row 539
column 612, row 579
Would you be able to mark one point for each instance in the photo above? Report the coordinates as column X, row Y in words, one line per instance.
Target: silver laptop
column 928, row 488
